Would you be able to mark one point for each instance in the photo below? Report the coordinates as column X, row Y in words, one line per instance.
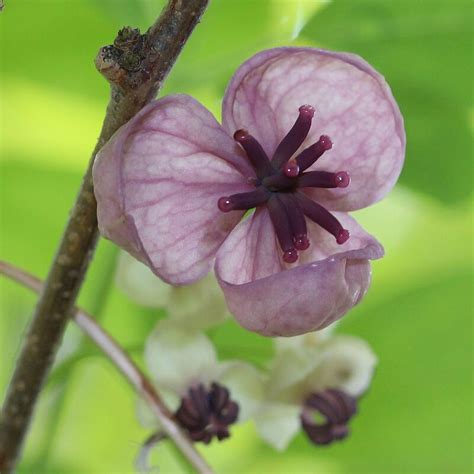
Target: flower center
column 207, row 413
column 336, row 407
column 279, row 183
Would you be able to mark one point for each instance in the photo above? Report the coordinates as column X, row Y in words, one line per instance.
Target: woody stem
column 125, row 365
column 131, row 88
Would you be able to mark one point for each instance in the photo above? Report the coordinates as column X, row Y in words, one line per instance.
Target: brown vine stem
column 124, row 364
column 135, row 65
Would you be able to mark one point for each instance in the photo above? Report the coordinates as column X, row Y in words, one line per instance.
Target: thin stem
column 136, row 66
column 142, row 462
column 125, row 365
column 99, row 301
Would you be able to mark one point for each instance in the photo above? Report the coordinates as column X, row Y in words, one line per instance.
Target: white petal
column 140, row 284
column 278, row 423
column 290, row 368
column 178, row 358
column 346, row 363
column 304, row 342
column 200, row 305
column 246, row 386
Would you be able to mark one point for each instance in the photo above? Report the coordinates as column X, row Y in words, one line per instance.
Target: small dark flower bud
column 207, row 412
column 336, row 406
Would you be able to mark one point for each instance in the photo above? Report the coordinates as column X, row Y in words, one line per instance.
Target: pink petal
column 273, row 299
column 354, row 106
column 157, row 183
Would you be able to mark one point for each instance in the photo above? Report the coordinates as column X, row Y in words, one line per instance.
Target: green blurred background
column 417, row 316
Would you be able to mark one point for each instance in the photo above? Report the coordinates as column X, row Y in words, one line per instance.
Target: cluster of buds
column 312, row 384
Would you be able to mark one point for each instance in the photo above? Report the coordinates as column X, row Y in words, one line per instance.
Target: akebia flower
column 307, row 135
column 207, row 396
column 314, row 384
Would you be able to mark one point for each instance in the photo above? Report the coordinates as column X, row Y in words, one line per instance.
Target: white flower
column 179, row 359
column 200, row 305
column 139, row 283
column 306, row 365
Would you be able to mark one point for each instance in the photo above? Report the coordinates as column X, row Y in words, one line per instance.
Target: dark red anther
column 309, row 156
column 295, row 137
column 291, row 169
column 224, row 204
column 325, row 142
column 302, row 242
column 342, row 179
column 290, row 256
column 342, row 236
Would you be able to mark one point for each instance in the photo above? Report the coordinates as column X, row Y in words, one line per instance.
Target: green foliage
column 424, row 49
column 417, row 314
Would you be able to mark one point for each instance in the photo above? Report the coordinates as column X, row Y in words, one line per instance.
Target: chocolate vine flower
column 207, row 396
column 314, row 384
column 207, row 413
column 307, row 135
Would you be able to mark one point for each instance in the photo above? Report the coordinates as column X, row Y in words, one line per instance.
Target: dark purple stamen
column 336, row 406
column 309, row 156
column 243, row 201
column 323, row 217
column 281, row 223
column 295, row 137
column 324, row 179
column 278, row 182
column 255, row 153
column 206, row 413
column 297, row 221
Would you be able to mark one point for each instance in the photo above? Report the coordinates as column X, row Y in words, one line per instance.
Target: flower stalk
column 125, row 365
column 136, row 66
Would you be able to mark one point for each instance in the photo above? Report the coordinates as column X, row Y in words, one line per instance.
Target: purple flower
column 173, row 185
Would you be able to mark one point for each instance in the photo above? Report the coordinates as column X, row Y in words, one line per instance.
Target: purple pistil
column 279, row 182
column 206, row 413
column 336, row 407
column 295, row 137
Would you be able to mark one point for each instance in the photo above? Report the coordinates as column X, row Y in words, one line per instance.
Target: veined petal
column 288, row 369
column 354, row 107
column 178, row 358
column 278, row 423
column 246, row 386
column 346, row 363
column 157, row 183
column 272, row 299
column 295, row 358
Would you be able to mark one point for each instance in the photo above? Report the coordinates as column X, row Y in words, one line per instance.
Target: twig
column 125, row 365
column 142, row 464
column 136, row 66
